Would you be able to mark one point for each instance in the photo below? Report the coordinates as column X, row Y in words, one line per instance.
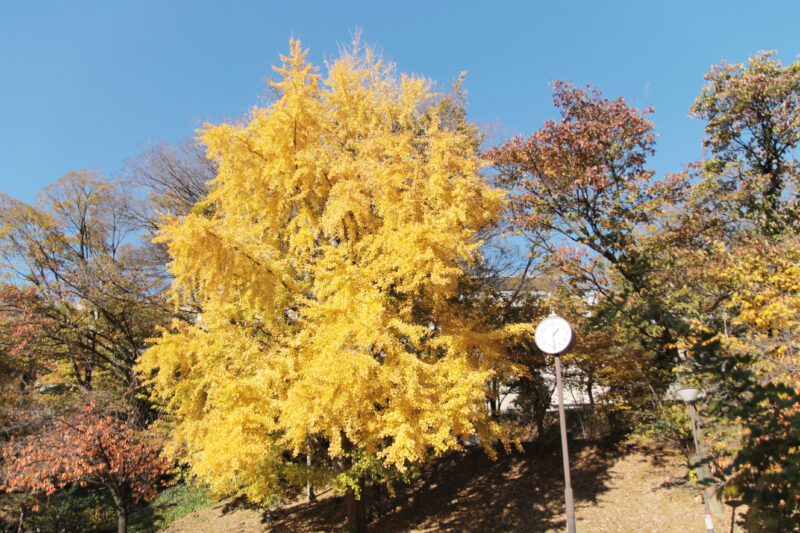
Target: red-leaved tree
column 584, row 180
column 582, row 191
column 92, row 446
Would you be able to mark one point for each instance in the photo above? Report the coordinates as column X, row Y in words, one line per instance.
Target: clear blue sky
column 84, row 84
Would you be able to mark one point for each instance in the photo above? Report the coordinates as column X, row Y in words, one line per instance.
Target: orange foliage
column 90, row 446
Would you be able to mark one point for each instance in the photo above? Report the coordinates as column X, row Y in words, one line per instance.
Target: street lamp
column 554, row 336
column 689, row 395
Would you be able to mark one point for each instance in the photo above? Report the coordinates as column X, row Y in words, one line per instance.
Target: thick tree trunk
column 356, row 510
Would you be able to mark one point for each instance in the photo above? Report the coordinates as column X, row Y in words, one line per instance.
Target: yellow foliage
column 766, row 307
column 326, row 259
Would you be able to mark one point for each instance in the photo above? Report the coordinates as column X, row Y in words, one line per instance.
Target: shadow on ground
column 467, row 491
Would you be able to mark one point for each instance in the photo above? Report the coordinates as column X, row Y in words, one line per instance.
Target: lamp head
column 688, row 394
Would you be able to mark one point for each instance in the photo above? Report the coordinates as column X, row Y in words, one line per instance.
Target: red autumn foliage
column 22, row 324
column 91, row 446
column 585, row 177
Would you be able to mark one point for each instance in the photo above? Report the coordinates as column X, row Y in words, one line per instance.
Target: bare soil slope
column 617, row 489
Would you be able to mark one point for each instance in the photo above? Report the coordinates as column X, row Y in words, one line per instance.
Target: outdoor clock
column 554, row 335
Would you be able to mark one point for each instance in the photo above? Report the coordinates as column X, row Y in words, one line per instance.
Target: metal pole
column 693, row 419
column 699, row 457
column 564, row 453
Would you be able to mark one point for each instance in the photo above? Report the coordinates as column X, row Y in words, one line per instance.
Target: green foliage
column 752, row 128
column 171, row 504
column 669, row 425
column 754, row 425
column 75, row 510
column 744, row 349
column 85, row 510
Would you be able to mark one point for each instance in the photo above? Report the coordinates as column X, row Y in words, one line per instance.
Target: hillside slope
column 617, row 489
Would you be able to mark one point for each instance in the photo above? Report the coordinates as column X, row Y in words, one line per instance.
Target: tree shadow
column 518, row 492
column 326, row 514
column 467, row 491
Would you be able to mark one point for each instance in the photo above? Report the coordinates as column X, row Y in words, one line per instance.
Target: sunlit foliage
column 327, row 258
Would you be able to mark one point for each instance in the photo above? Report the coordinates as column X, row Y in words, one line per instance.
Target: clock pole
column 554, row 336
column 564, row 451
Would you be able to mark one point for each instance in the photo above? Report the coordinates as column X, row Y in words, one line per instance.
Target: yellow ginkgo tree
column 327, row 260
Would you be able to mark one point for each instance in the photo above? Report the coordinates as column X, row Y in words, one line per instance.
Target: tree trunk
column 611, row 417
column 540, row 424
column 122, row 520
column 355, row 507
column 309, row 486
column 494, row 399
column 21, row 526
column 592, row 412
column 356, row 510
column 120, row 497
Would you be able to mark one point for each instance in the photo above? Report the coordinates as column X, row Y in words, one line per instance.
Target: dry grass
column 617, row 489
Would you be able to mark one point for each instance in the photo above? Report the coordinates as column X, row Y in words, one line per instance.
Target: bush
column 170, row 505
column 76, row 509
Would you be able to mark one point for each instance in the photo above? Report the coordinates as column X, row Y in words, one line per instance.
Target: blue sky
column 85, row 84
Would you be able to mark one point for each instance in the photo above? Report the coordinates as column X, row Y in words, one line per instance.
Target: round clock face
column 553, row 335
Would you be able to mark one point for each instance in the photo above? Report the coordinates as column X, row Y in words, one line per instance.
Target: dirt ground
column 617, row 489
